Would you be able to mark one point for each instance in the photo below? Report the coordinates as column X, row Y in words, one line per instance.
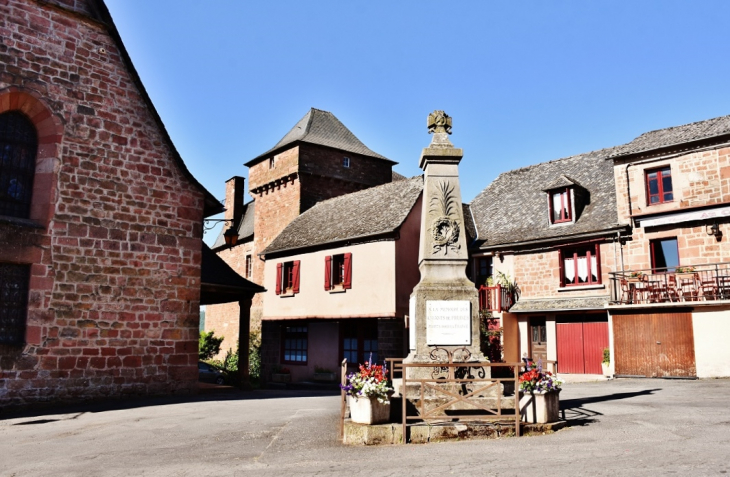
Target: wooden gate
column 654, row 344
column 580, row 346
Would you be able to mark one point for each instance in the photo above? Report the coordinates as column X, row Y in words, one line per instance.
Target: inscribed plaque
column 448, row 322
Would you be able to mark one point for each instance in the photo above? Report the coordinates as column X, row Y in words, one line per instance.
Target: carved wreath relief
column 445, row 228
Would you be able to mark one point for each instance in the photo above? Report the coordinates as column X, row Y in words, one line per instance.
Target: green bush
column 208, row 345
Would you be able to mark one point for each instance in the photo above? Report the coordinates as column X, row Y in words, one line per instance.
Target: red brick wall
column 114, row 299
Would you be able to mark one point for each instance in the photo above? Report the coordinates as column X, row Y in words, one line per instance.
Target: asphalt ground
column 621, row 427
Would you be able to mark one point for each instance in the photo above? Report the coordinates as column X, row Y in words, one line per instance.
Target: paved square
column 623, row 427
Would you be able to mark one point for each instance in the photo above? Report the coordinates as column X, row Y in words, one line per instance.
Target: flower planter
column 606, row 369
column 281, row 377
column 540, row 408
column 368, row 410
column 324, row 377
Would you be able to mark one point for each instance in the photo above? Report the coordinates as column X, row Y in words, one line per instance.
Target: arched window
column 18, row 149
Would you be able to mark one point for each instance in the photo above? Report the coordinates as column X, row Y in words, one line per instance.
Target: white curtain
column 594, row 268
column 557, row 206
column 569, row 268
column 583, row 269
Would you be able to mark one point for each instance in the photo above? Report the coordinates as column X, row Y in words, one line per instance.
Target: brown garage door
column 654, row 344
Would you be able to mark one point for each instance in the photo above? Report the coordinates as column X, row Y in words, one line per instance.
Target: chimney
column 234, row 199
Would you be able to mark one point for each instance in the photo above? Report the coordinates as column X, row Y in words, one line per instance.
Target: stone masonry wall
column 698, row 179
column 538, row 275
column 115, row 285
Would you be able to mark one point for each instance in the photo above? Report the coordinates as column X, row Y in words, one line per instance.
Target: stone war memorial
column 447, row 389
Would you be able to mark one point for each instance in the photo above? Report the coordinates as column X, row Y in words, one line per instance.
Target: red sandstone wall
column 114, row 300
column 698, row 179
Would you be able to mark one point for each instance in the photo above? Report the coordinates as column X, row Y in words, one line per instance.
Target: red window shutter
column 328, row 272
column 347, row 282
column 278, row 278
column 562, row 268
column 295, row 277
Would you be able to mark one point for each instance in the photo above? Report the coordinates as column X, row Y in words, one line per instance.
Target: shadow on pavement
column 573, row 412
column 206, row 394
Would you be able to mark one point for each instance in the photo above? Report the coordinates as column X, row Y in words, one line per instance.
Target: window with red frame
column 338, row 271
column 294, row 344
column 664, row 255
column 287, row 278
column 560, row 206
column 580, row 265
column 659, row 186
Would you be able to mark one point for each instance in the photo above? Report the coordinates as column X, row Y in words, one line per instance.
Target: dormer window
column 561, row 209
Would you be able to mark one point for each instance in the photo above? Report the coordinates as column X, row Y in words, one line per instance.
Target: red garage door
column 580, row 346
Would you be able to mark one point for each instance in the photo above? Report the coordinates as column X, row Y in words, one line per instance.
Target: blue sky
column 525, row 81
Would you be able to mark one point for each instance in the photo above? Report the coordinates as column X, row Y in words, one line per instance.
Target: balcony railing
column 697, row 283
column 495, row 298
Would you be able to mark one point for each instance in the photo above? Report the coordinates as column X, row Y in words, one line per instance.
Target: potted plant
column 324, row 375
column 606, row 363
column 281, row 375
column 539, row 394
column 368, row 394
column 636, row 276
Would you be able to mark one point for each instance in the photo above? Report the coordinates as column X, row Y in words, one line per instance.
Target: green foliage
column 208, row 345
column 606, row 356
column 230, row 362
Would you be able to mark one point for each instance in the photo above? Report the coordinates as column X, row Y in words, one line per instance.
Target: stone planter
column 368, row 410
column 540, row 408
column 281, row 378
column 324, row 377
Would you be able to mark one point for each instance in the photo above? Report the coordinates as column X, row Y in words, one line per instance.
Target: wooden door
column 654, row 344
column 538, row 339
column 580, row 346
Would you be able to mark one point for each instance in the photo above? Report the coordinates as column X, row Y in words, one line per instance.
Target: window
column 483, row 268
column 272, row 162
column 18, row 148
column 580, row 265
column 659, row 186
column 360, row 341
column 13, row 302
column 248, row 266
column 664, row 255
column 560, row 207
column 287, row 278
column 338, row 272
column 294, row 344
column 346, row 162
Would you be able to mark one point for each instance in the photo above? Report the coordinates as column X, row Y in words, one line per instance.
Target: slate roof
column 674, row 136
column 370, row 212
column 324, row 129
column 398, row 177
column 559, row 304
column 219, row 283
column 514, row 208
column 245, row 227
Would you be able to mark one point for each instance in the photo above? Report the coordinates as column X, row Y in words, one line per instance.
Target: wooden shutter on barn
column 347, row 281
column 295, row 277
column 327, row 272
column 278, row 278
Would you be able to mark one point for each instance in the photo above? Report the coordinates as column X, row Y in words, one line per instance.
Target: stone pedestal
column 540, row 408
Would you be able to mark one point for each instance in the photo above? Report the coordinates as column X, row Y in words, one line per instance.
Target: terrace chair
column 687, row 286
column 707, row 286
column 627, row 293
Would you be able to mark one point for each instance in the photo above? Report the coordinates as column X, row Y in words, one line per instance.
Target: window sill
column 287, row 294
column 598, row 286
column 560, row 224
column 338, row 289
column 30, row 223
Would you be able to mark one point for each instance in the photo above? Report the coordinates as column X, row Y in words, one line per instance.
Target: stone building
column 100, row 220
column 319, row 158
column 341, row 290
column 552, row 228
column 670, row 309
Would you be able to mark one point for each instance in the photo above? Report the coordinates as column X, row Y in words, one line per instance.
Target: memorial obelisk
column 445, row 303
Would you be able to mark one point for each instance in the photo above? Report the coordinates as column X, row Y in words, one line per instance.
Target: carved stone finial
column 439, row 122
